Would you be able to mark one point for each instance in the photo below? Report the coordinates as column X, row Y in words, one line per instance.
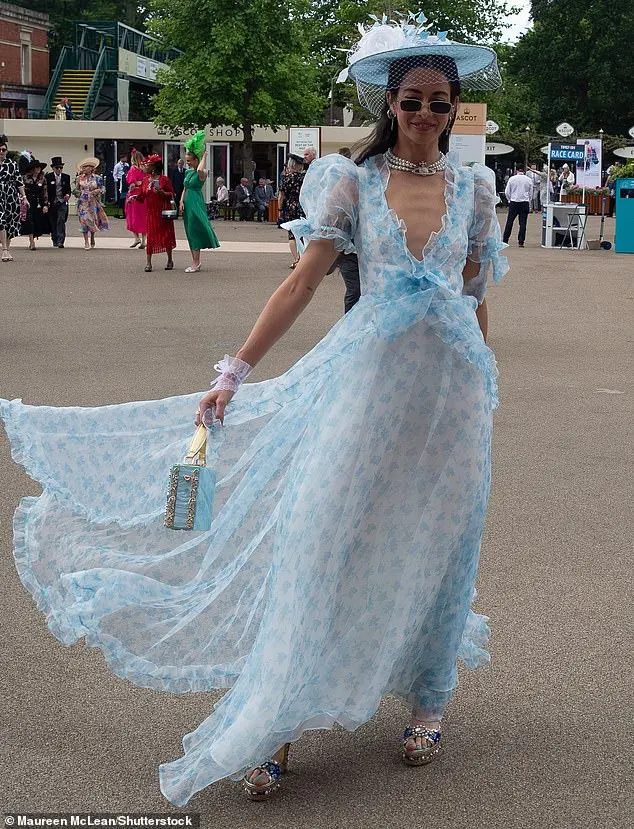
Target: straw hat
column 92, row 162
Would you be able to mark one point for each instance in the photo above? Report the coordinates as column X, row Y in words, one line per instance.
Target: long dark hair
column 385, row 132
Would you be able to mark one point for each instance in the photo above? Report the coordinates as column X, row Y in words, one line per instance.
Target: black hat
column 27, row 162
column 56, row 161
column 297, row 158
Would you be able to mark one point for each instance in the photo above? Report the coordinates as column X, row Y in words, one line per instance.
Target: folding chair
column 576, row 221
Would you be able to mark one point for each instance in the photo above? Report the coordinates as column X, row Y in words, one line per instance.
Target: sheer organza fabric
column 349, row 509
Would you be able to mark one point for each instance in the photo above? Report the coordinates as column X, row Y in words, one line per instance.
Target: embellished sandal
column 6, row 256
column 274, row 771
column 148, row 269
column 429, row 750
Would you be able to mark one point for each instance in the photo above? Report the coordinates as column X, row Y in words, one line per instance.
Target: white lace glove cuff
column 233, row 372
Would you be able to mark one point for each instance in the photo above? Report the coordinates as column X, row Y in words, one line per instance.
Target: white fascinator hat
column 389, row 49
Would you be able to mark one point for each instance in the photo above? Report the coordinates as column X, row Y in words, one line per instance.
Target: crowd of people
column 251, row 199
column 550, row 184
column 35, row 204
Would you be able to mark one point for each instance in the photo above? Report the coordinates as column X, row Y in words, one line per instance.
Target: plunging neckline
column 400, row 224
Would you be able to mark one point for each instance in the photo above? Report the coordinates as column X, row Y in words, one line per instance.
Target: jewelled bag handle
column 197, row 447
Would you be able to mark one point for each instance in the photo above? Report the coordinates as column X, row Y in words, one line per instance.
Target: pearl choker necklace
column 420, row 169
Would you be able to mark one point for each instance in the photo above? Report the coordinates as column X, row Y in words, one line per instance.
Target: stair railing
column 104, row 64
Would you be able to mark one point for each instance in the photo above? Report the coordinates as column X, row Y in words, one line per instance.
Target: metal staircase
column 75, row 84
column 86, row 73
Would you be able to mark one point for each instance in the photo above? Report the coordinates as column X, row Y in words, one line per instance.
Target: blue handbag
column 190, row 496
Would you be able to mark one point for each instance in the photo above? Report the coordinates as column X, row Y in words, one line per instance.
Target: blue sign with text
column 567, row 152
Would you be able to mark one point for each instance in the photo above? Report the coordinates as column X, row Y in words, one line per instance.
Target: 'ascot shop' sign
column 567, row 152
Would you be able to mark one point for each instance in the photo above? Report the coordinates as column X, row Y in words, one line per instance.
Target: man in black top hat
column 58, row 185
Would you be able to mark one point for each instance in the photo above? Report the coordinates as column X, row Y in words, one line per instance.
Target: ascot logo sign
column 565, row 129
column 492, row 127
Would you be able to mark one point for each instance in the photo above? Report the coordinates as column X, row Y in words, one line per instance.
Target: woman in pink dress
column 136, row 211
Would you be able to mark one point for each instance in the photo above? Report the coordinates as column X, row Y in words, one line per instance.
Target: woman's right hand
column 217, row 400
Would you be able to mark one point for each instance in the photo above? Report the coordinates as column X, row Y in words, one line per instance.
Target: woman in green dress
column 199, row 232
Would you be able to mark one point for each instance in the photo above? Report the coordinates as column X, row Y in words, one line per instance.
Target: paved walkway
column 541, row 739
column 108, row 242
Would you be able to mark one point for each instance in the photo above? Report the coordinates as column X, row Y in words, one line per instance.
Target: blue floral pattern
column 350, row 501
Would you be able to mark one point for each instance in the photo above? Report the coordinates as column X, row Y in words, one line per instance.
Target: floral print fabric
column 89, row 190
column 349, row 509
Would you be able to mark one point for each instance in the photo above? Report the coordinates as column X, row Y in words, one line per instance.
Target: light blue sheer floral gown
column 349, row 509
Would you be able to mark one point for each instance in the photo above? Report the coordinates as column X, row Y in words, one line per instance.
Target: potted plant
column 624, row 171
column 592, row 198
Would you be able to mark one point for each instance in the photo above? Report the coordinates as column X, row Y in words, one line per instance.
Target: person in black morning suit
column 177, row 177
column 59, row 191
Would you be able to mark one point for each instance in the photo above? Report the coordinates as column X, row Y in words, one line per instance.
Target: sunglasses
column 414, row 105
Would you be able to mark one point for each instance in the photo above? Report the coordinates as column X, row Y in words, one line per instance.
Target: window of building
column 25, row 55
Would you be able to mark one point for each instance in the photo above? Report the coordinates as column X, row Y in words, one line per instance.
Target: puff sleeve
column 330, row 200
column 485, row 238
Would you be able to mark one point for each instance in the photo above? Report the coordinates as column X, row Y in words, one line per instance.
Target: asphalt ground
column 540, row 739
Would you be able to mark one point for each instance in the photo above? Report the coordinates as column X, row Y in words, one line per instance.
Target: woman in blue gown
column 351, row 491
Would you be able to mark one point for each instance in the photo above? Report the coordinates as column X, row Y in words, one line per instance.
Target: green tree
column 244, row 63
column 578, row 64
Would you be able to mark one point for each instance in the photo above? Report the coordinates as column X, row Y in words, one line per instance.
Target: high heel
column 429, row 750
column 274, row 770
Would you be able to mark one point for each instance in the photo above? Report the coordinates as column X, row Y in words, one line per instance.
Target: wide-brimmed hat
column 407, row 40
column 90, row 161
column 28, row 162
column 57, row 161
